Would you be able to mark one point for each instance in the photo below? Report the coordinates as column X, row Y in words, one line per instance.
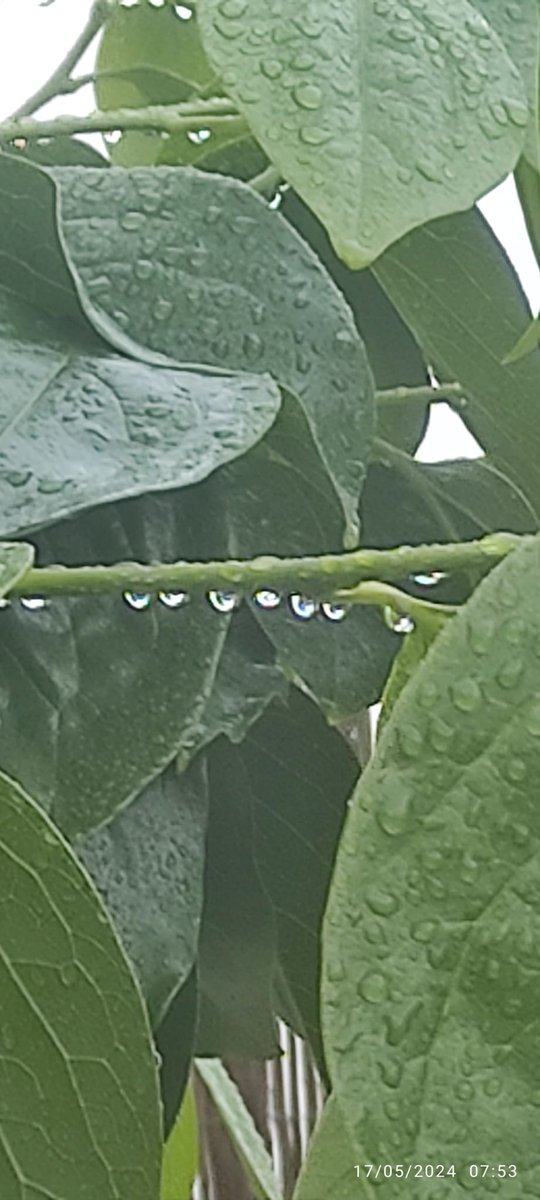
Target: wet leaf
column 98, row 427
column 329, row 1169
column 455, row 288
column 518, row 26
column 80, row 1112
column 337, row 97
column 232, row 286
column 429, row 945
column 147, row 865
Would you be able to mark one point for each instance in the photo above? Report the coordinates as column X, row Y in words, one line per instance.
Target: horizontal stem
column 452, row 392
column 383, row 595
column 323, row 575
column 167, row 118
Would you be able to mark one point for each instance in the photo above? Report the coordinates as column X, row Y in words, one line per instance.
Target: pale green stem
column 58, row 82
column 448, row 392
column 167, row 118
column 322, row 576
column 383, row 595
column 267, row 182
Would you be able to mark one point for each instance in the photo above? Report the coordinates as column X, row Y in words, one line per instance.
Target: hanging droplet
column 138, row 600
column 5, row 603
column 33, row 603
column 334, row 612
column 173, row 599
column 397, row 622
column 224, row 602
column 303, row 606
column 429, row 579
column 267, row 599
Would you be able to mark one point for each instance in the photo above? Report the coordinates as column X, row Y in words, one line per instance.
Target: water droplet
column 334, row 612
column 132, row 221
column 162, row 309
column 373, row 988
column 392, row 812
column 518, row 112
column 398, row 622
column 173, row 599
column 411, row 741
column 303, row 606
column 144, row 268
column 424, row 931
column 223, row 602
column 466, row 694
column 232, row 8
column 18, row 478
column 267, row 599
column 516, row 770
column 272, row 68
column 313, row 135
column 33, row 603
column 50, row 487
column 429, row 579
column 510, row 673
column 138, row 600
column 308, row 95
column 381, row 903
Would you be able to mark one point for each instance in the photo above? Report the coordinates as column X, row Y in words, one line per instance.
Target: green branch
column 166, row 118
column 59, row 81
column 451, row 393
column 383, row 595
column 322, row 576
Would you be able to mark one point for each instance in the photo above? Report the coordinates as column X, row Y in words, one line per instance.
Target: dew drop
column 510, row 673
column 381, row 903
column 308, row 95
column 429, row 579
column 138, row 600
column 302, row 606
column 223, row 602
column 33, row 603
column 373, row 988
column 334, row 612
column 398, row 622
column 267, row 599
column 272, row 68
column 173, row 599
column 466, row 694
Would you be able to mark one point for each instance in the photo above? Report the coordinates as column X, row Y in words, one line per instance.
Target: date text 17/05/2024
column 434, row 1171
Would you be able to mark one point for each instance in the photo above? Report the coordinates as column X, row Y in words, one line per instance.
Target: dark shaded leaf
column 80, row 1112
column 175, row 1039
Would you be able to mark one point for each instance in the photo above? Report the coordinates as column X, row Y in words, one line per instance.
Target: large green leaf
column 79, row 1110
column 148, row 865
column 298, row 775
column 231, row 285
column 95, row 427
column 379, row 118
column 329, row 1170
column 97, row 698
column 456, row 289
column 518, row 26
column 430, row 993
column 237, row 950
column 394, row 356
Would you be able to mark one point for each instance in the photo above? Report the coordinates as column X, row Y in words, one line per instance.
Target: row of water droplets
column 225, row 602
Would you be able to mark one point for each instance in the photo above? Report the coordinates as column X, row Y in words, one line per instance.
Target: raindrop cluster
column 225, row 602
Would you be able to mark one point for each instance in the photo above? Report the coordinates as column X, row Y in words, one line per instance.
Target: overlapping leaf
column 79, row 1109
column 231, row 285
column 455, row 288
column 518, row 26
column 380, row 118
column 329, row 1169
column 431, row 932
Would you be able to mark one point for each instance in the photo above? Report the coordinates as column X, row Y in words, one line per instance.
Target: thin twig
column 449, row 392
column 166, row 118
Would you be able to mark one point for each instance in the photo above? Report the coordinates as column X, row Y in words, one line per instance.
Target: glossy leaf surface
column 79, row 1111
column 431, row 930
column 337, row 96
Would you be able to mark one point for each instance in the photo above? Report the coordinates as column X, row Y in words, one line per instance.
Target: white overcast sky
column 33, row 38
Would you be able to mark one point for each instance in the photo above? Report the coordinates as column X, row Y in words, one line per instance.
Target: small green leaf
column 455, row 288
column 80, row 1113
column 148, row 864
column 207, row 297
column 240, row 1126
column 16, row 558
column 329, row 1169
column 181, row 1153
column 431, row 931
column 358, row 141
column 529, row 341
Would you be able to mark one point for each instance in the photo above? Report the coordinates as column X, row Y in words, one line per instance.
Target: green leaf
column 175, row 1039
column 80, row 1114
column 298, row 775
column 394, row 356
column 329, row 1167
column 237, row 949
column 240, row 1126
column 528, row 185
column 97, row 698
column 147, row 864
column 231, row 285
column 526, row 344
column 518, row 26
column 429, row 945
column 101, row 427
column 413, row 651
column 455, row 288
column 16, row 558
column 359, row 141
column 181, row 1154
